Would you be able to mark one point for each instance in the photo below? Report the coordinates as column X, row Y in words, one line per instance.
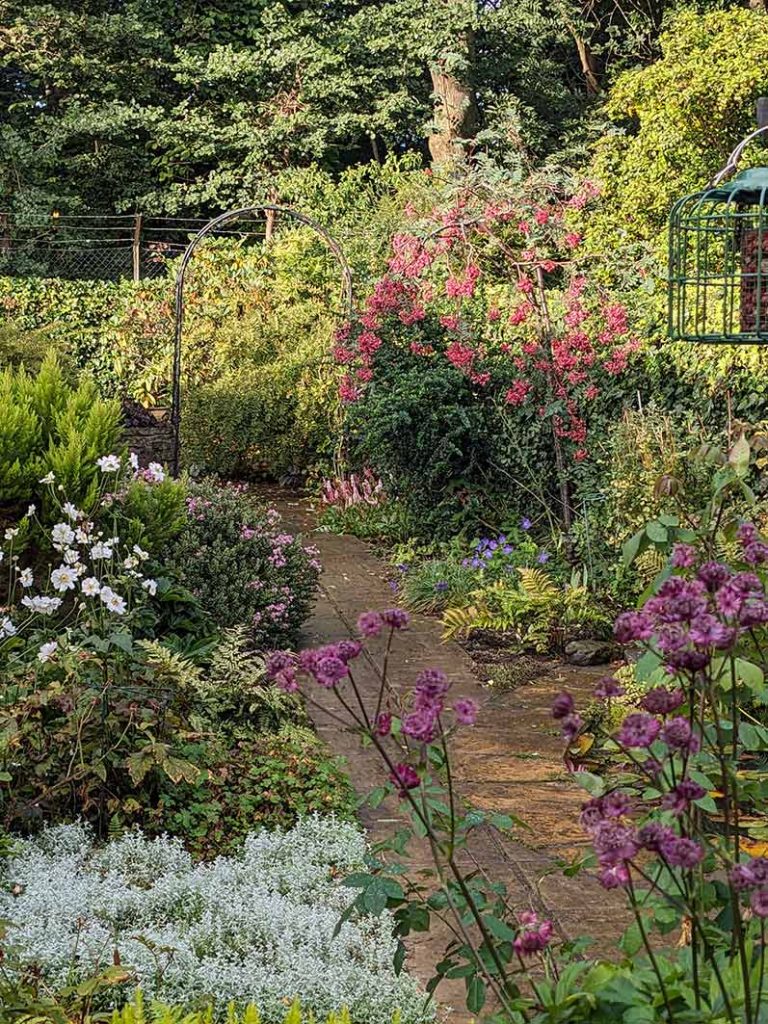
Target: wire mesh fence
column 102, row 248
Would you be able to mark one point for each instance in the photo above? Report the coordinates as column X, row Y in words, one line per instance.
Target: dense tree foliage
column 187, row 106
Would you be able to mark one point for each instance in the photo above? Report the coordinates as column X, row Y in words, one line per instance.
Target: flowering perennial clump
column 410, row 732
column 683, row 756
column 237, row 559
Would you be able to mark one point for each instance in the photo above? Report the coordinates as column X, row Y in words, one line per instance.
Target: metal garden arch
column 267, row 208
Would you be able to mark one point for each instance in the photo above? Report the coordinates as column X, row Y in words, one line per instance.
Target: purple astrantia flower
column 683, row 556
column 759, row 902
column 740, row 877
column 638, row 730
column 707, row 631
column 277, row 662
column 422, row 724
column 430, row 687
column 571, row 727
column 747, row 533
column 348, row 649
column 525, row 523
column 614, row 841
column 396, row 618
column 661, row 701
column 330, row 670
column 754, row 612
column 681, row 852
column 677, row 732
column 608, row 687
column 465, row 711
column 286, row 680
column 750, row 873
column 370, row 624
column 591, row 814
column 679, row 799
column 631, row 626
column 653, row 836
column 383, row 725
column 713, row 575
column 562, row 705
column 613, row 876
column 404, row 777
column 756, row 553
column 615, row 804
column 534, row 935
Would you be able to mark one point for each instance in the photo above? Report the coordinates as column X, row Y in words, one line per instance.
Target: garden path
column 510, row 762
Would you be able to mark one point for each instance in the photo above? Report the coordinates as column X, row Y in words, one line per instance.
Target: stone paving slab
column 511, row 761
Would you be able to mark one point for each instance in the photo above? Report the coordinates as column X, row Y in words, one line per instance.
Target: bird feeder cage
column 718, row 256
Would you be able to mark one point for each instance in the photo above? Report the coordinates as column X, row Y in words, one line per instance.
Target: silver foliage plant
column 257, row 927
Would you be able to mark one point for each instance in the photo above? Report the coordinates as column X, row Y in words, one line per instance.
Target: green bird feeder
column 718, row 255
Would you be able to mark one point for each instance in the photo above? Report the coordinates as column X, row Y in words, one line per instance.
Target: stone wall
column 151, row 444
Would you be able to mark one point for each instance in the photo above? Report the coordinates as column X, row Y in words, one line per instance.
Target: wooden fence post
column 137, row 247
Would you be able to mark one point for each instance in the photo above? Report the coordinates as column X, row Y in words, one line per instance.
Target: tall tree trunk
column 455, row 112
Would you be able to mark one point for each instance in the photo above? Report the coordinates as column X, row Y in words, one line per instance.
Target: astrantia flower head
column 465, row 711
column 683, row 556
column 396, row 618
column 608, row 687
column 661, row 701
column 404, row 777
column 562, row 705
column 631, row 626
column 277, row 662
column 681, row 852
column 370, row 624
column 676, row 733
column 534, row 935
column 638, row 730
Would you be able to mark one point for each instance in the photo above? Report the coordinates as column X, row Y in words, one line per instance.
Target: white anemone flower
column 130, row 562
column 155, row 473
column 71, row 556
column 11, row 532
column 47, row 651
column 48, row 478
column 150, row 586
column 7, row 628
column 90, row 586
column 26, row 579
column 108, row 463
column 133, row 458
column 113, row 601
column 62, row 535
column 70, row 511
column 101, row 550
column 140, row 553
column 63, row 578
column 31, row 510
column 42, row 603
